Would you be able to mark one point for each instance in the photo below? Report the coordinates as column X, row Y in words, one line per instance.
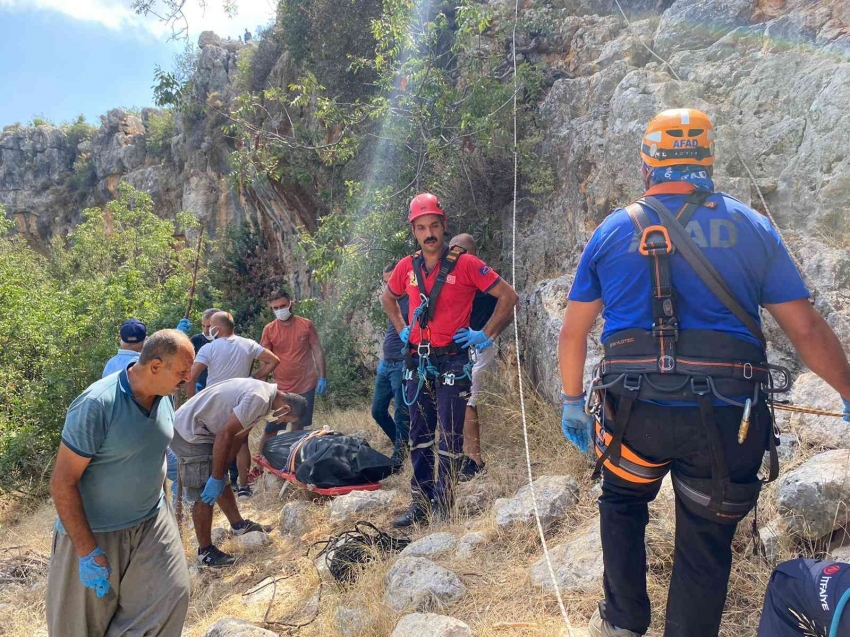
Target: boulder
column 350, row 622
column 467, row 544
column 771, row 536
column 840, row 553
column 473, row 497
column 417, row 583
column 219, row 535
column 825, row 431
column 253, row 540
column 359, row 504
column 577, row 564
column 788, row 446
column 294, row 519
column 208, row 38
column 232, row 627
column 432, row 625
column 812, row 498
column 431, row 545
column 555, row 496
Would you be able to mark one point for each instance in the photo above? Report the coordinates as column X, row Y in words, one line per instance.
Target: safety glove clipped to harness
column 93, row 575
column 466, row 337
column 576, row 425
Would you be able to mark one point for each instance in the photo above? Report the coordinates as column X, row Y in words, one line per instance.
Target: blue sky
column 60, row 58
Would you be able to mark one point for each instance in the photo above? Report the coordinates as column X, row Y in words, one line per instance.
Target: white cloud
column 202, row 15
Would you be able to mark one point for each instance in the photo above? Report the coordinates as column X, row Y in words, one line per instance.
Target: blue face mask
column 696, row 175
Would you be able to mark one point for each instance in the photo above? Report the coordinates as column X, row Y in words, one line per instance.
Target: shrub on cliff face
column 159, row 129
column 61, row 315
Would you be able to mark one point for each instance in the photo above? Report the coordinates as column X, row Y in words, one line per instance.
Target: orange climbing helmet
column 678, row 136
column 425, row 204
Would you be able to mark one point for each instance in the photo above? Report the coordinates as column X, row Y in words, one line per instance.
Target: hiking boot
column 214, row 558
column 249, row 526
column 470, row 469
column 598, row 627
column 417, row 513
column 244, row 492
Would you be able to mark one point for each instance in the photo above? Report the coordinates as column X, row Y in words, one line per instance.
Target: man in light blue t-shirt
column 132, row 334
column 117, row 559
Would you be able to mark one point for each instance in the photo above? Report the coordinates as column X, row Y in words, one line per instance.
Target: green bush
column 61, row 315
column 159, row 129
column 78, row 130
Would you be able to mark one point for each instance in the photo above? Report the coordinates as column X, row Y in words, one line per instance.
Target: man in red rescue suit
column 441, row 285
column 679, row 277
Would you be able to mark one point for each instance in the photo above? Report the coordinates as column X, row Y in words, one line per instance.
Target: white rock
column 350, row 622
column 771, row 536
column 467, row 544
column 812, row 498
column 359, row 503
column 294, row 518
column 252, row 540
column 841, row 553
column 419, row 584
column 232, row 627
column 262, row 592
column 826, row 431
column 271, row 482
column 555, row 496
column 422, row 624
column 219, row 535
column 431, row 545
column 788, row 446
column 577, row 564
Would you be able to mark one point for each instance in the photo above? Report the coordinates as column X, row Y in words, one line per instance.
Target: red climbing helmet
column 425, row 204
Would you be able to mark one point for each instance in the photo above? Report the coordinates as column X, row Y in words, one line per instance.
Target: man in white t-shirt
column 208, row 431
column 229, row 356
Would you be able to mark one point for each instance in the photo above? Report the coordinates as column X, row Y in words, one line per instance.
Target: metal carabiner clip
column 449, row 379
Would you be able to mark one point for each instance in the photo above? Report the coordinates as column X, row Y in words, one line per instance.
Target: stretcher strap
column 293, row 452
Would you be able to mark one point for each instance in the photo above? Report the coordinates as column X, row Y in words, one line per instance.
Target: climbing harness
column 666, row 364
column 422, row 315
column 346, row 553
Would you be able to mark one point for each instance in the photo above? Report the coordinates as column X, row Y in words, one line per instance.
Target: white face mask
column 283, row 313
column 213, row 333
column 275, row 414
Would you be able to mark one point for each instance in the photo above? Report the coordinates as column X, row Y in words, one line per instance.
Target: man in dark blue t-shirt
column 653, row 300
column 389, row 386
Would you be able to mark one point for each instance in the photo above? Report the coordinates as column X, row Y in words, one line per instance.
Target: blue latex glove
column 846, row 410
column 93, row 575
column 404, row 335
column 466, row 337
column 185, row 326
column 322, row 387
column 212, row 491
column 575, row 424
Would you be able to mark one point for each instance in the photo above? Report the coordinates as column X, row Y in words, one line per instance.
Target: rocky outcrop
column 555, row 495
column 577, row 563
column 812, row 498
column 359, row 504
column 417, row 583
column 420, row 624
column 232, row 627
column 431, row 545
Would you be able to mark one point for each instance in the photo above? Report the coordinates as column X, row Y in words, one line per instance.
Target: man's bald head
column 224, row 322
column 465, row 241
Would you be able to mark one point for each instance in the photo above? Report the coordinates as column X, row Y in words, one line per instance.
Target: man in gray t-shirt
column 230, row 356
column 209, row 430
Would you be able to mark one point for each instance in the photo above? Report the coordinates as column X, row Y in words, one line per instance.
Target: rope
column 807, row 410
column 551, row 569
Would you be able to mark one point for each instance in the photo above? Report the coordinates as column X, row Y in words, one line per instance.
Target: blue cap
column 133, row 331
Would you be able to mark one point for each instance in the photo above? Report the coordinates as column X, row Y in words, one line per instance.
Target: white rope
column 518, row 361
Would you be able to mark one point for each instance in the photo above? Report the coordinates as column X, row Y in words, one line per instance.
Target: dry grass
column 497, row 576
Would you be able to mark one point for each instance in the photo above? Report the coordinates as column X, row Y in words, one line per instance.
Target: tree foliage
column 61, row 315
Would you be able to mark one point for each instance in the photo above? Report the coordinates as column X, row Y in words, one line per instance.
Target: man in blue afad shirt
column 118, row 566
column 682, row 371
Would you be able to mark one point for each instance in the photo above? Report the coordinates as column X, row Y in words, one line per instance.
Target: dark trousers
column 703, row 553
column 436, row 431
column 389, row 387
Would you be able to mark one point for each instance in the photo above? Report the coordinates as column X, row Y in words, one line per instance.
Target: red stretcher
column 327, row 491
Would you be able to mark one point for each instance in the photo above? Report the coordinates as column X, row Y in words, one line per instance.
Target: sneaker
column 249, row 526
column 214, row 558
column 598, row 627
column 244, row 492
column 470, row 469
column 254, row 475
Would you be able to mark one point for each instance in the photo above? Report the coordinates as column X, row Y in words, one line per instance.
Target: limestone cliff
column 773, row 74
